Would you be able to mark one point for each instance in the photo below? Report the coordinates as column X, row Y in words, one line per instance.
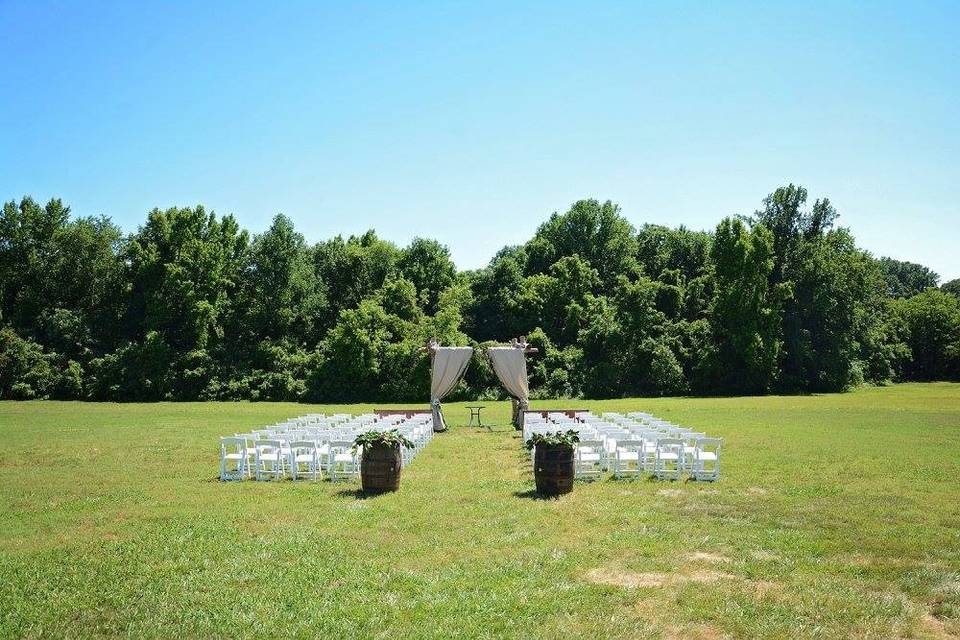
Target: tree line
column 192, row 307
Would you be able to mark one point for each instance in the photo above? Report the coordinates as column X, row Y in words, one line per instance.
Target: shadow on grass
column 358, row 494
column 531, row 494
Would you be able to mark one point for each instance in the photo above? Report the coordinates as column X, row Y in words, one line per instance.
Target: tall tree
column 906, row 279
column 596, row 232
column 952, row 287
column 352, row 270
column 427, row 264
column 282, row 296
column 746, row 310
column 933, row 322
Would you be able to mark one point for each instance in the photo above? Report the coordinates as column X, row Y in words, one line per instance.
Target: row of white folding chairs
column 664, row 458
column 666, row 452
column 310, row 458
column 302, row 454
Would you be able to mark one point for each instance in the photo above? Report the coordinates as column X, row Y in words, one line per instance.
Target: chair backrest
column 591, row 444
column 704, row 444
column 669, row 443
column 630, row 445
column 232, row 444
column 303, row 446
column 267, row 445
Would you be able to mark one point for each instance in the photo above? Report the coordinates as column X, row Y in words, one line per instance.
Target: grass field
column 837, row 516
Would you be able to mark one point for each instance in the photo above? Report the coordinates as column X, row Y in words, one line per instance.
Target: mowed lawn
column 837, row 516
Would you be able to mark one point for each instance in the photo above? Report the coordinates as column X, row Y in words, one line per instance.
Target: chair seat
column 667, row 455
column 628, row 455
column 234, row 456
column 270, row 457
column 342, row 457
column 590, row 457
column 706, row 455
column 304, row 457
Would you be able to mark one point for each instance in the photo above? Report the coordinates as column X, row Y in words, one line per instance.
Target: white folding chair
column 668, row 461
column 250, row 453
column 304, row 460
column 628, row 458
column 344, row 463
column 270, row 459
column 233, row 458
column 690, row 446
column 706, row 459
column 590, row 458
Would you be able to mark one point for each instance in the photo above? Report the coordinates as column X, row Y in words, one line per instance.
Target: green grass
column 837, row 516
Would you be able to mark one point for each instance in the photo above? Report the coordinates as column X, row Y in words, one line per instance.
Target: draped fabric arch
column 510, row 365
column 449, row 365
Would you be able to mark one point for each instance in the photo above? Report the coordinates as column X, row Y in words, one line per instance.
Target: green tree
column 660, row 248
column 281, row 296
column 746, row 311
column 952, row 287
column 25, row 370
column 492, row 315
column 427, row 264
column 825, row 272
column 61, row 280
column 596, row 232
column 906, row 279
column 352, row 270
column 933, row 322
column 184, row 270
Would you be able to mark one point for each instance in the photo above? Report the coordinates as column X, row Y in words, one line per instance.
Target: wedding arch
column 448, row 364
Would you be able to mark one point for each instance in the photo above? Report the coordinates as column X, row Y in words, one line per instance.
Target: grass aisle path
column 837, row 516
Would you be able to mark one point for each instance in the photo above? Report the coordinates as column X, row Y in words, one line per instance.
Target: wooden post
column 431, row 346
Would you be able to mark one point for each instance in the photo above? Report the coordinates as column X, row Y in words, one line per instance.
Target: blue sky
column 472, row 122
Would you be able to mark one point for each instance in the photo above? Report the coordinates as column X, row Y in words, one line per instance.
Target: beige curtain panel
column 510, row 365
column 449, row 364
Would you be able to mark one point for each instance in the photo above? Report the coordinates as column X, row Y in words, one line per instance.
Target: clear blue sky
column 472, row 122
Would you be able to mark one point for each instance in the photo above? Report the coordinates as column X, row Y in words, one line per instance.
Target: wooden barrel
column 380, row 469
column 553, row 470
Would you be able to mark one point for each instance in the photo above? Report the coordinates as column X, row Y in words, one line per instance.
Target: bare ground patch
column 627, row 579
column 706, row 556
column 766, row 588
column 671, row 493
column 632, row 580
column 694, row 632
column 933, row 627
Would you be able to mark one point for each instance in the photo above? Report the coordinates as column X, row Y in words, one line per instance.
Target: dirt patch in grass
column 764, row 556
column 704, row 576
column 627, row 579
column 933, row 627
column 694, row 632
column 705, row 556
column 766, row 588
column 671, row 493
column 757, row 491
column 631, row 580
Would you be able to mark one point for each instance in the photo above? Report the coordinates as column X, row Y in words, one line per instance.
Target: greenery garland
column 391, row 439
column 567, row 439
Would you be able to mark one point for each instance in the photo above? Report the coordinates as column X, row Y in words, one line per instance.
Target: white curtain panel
column 449, row 364
column 510, row 365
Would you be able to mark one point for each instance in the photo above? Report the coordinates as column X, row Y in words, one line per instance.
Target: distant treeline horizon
column 192, row 307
